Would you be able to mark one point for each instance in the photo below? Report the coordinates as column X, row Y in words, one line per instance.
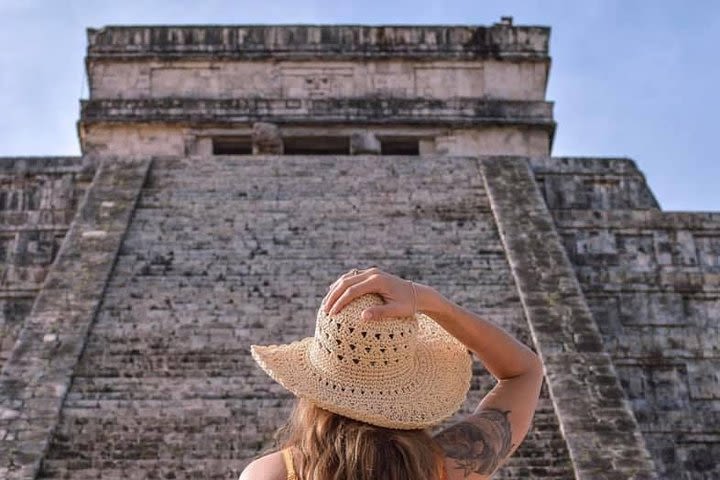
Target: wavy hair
column 335, row 447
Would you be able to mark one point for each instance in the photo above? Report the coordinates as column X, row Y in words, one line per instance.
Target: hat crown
column 346, row 344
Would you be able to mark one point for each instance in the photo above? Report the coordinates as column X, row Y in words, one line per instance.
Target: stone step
column 228, row 210
column 230, row 469
column 480, row 271
column 142, row 469
column 193, row 429
column 257, row 188
column 251, row 185
column 334, row 231
column 333, row 166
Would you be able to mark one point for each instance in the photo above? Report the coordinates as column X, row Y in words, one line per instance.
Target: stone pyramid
column 230, row 173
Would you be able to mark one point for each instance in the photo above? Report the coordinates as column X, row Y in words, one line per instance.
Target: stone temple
column 229, row 173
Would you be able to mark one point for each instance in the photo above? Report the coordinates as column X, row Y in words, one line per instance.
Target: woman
column 391, row 358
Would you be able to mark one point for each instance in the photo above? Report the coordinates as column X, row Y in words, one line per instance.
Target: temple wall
column 317, row 79
column 159, row 139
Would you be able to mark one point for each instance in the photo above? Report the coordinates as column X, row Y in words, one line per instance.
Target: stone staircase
column 226, row 251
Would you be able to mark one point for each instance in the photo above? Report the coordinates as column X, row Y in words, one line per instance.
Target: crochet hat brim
column 435, row 391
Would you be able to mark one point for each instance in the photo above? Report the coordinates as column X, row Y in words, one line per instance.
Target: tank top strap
column 287, row 456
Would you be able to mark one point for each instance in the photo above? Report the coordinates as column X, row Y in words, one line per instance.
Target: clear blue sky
column 634, row 78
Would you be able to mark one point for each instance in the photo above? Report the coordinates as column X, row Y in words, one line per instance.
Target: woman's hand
column 399, row 294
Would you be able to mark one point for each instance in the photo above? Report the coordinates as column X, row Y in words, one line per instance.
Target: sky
column 631, row 78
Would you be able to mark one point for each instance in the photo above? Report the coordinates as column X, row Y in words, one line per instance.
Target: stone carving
column 266, row 139
column 364, row 142
column 317, row 81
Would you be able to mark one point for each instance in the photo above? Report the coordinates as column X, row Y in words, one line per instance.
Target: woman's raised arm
column 482, row 441
column 479, row 444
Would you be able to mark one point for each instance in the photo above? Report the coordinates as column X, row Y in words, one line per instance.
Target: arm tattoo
column 480, row 443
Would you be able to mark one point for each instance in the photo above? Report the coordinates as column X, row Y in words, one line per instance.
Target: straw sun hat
column 402, row 372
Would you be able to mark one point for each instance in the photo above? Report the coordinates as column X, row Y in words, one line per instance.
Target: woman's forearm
column 502, row 354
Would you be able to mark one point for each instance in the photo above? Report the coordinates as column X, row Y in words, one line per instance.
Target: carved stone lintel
column 266, row 139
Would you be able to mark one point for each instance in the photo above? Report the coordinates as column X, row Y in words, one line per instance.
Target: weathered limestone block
column 364, row 142
column 266, row 139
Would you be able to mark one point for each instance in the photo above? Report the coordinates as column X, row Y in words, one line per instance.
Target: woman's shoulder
column 267, row 467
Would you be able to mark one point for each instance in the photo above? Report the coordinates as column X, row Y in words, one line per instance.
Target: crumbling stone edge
column 38, row 372
column 596, row 420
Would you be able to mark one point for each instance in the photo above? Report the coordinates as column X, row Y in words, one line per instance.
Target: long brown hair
column 335, row 447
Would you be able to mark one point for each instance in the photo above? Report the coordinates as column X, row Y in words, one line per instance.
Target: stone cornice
column 462, row 111
column 40, row 164
column 341, row 42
